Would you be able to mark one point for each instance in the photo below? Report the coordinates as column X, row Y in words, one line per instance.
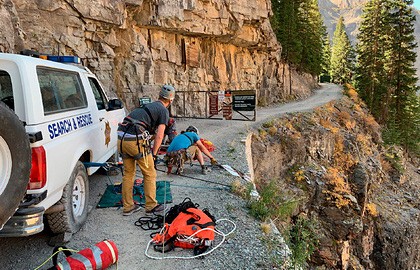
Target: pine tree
column 285, row 24
column 326, row 59
column 401, row 74
column 312, row 31
column 385, row 71
column 299, row 28
column 341, row 55
column 371, row 81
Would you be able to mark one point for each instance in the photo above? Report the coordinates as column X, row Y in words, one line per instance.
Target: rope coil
column 191, row 238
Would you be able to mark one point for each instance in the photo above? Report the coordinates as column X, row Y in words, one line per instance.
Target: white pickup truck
column 54, row 118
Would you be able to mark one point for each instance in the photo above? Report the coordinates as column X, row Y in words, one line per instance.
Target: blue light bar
column 64, row 59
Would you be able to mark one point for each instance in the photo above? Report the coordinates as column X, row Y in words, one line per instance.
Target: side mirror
column 115, row 104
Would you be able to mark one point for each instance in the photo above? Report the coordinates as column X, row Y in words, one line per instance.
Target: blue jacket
column 183, row 141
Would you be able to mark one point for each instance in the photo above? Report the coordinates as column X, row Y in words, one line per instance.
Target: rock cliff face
column 351, row 10
column 135, row 46
column 363, row 198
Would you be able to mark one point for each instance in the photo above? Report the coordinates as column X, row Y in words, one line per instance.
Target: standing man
column 134, row 136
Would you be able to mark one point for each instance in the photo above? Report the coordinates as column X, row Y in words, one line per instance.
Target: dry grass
column 330, row 106
column 370, row 122
column 339, row 188
column 239, row 189
column 342, row 159
column 262, row 134
column 266, row 228
column 326, row 123
column 371, row 209
column 299, row 175
column 344, row 118
column 272, row 131
column 386, row 165
column 357, row 108
column 351, row 92
column 364, row 143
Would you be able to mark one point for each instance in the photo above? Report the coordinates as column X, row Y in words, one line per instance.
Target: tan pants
column 146, row 164
column 193, row 151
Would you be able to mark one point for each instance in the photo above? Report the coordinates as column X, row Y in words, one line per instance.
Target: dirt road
column 242, row 250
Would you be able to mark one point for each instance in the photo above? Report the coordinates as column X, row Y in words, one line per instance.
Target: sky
column 417, row 4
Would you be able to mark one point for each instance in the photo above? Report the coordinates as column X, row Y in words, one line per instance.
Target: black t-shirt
column 151, row 114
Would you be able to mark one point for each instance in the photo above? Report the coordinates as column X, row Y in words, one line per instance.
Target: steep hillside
column 329, row 168
column 135, row 46
column 351, row 10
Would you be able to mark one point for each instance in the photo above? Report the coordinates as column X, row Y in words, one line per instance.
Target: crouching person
column 187, row 146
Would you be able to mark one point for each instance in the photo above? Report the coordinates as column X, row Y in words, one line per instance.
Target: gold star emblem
column 107, row 133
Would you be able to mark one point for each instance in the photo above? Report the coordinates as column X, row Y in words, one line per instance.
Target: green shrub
column 302, row 240
column 272, row 204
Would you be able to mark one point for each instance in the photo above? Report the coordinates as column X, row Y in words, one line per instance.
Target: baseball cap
column 168, row 92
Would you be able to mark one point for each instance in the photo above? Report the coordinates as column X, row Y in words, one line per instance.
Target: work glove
column 213, row 161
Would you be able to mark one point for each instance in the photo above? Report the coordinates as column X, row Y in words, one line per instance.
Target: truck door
column 107, row 134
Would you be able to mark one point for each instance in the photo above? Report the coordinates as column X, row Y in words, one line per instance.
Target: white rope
column 164, row 217
column 191, row 237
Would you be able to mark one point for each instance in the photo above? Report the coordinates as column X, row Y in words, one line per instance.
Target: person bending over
column 187, row 146
column 134, row 144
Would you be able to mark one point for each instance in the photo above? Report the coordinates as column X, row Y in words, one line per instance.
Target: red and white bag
column 100, row 256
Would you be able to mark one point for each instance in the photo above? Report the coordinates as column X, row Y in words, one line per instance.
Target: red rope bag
column 98, row 257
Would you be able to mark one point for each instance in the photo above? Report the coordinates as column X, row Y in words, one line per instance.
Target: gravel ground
column 243, row 249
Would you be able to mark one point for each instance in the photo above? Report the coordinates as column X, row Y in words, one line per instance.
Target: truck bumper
column 26, row 221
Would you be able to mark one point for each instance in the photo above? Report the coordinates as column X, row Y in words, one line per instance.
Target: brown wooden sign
column 214, row 104
column 227, row 105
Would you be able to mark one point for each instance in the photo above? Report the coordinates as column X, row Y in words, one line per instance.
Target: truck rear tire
column 15, row 162
column 75, row 201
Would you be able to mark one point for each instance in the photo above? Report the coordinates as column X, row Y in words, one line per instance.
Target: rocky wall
column 136, row 46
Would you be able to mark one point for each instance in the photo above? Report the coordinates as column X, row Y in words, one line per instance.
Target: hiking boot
column 157, row 210
column 205, row 170
column 135, row 208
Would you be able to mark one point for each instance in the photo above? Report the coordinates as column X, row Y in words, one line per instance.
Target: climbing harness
column 142, row 138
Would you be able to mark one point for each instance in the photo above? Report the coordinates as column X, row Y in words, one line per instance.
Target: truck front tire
column 15, row 162
column 75, row 201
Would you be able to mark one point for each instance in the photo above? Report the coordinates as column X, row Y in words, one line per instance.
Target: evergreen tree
column 326, row 59
column 285, row 23
column 341, row 55
column 385, row 71
column 299, row 28
column 401, row 74
column 371, row 81
column 312, row 31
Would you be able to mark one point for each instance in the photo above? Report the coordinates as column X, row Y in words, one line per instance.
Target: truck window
column 60, row 90
column 6, row 90
column 98, row 93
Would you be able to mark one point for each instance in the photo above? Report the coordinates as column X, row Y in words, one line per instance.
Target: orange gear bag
column 208, row 144
column 187, row 223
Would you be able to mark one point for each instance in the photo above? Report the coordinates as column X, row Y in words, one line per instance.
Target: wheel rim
column 5, row 164
column 79, row 196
